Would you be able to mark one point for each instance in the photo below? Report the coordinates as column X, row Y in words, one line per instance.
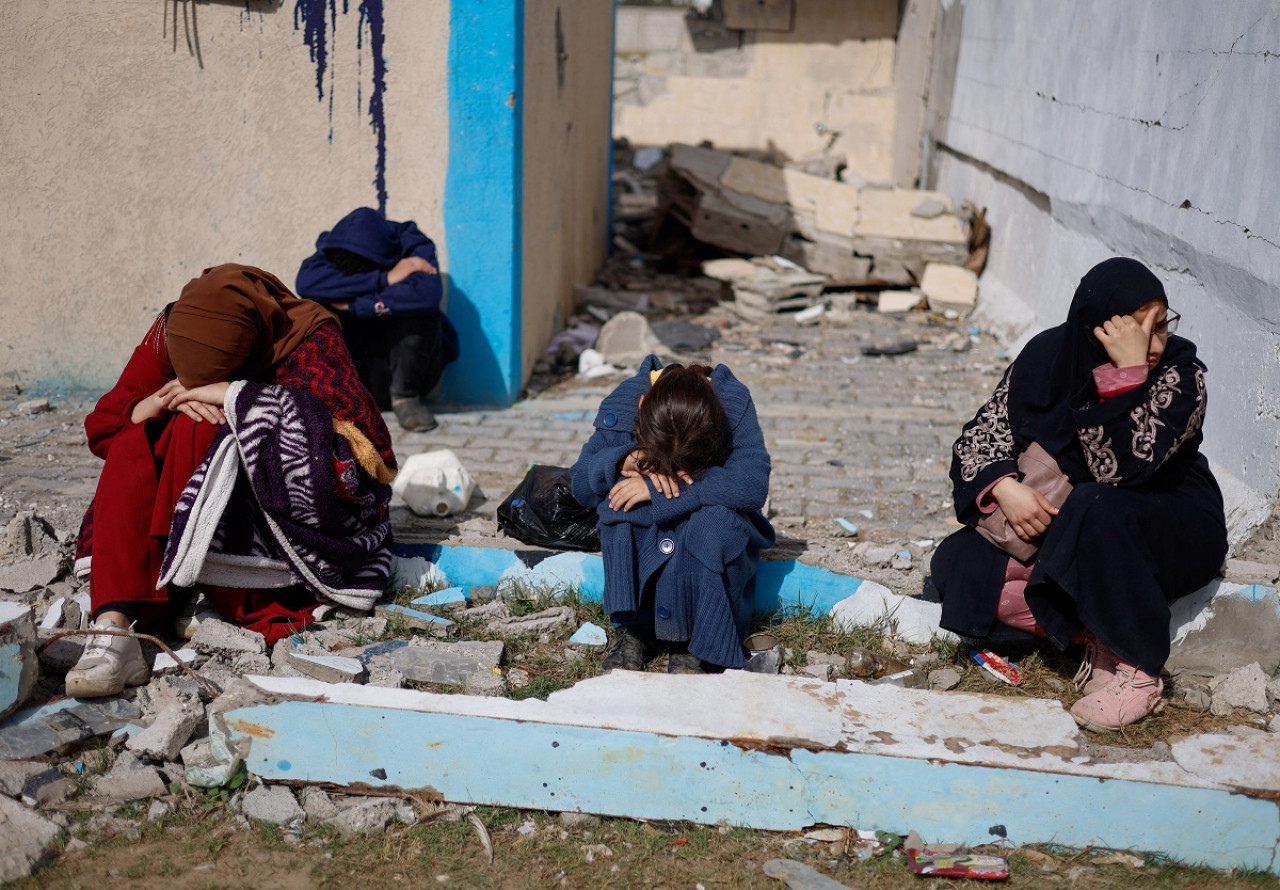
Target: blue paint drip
column 318, row 19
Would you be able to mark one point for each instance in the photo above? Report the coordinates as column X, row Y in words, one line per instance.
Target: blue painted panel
column 482, row 213
column 11, row 662
column 643, row 775
column 779, row 583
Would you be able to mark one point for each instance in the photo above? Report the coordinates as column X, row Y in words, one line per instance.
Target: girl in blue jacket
column 678, row 473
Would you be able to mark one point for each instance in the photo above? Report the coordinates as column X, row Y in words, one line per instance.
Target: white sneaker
column 108, row 665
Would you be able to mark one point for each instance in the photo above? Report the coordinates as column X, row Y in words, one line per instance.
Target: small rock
column 318, row 805
column 27, row 838
column 368, row 816
column 166, row 664
column 1195, row 699
column 819, row 671
column 129, row 780
column 274, row 804
column 944, row 679
column 589, row 635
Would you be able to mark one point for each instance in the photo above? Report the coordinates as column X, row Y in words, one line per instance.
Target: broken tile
column 18, row 663
column 449, row 598
column 416, row 620
column 589, row 635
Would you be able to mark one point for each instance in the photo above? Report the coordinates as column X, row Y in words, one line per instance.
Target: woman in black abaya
column 1119, row 402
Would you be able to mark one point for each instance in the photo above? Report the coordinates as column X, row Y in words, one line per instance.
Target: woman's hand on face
column 1028, row 511
column 629, row 491
column 200, row 402
column 1126, row 340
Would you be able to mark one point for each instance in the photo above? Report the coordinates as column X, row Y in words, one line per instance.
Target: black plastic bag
column 542, row 511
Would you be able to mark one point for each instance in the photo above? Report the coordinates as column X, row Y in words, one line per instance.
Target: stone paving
column 865, row 438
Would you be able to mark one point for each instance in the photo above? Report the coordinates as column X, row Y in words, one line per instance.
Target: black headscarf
column 1054, row 372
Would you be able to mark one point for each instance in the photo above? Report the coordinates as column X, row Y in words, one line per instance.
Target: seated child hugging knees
column 678, row 473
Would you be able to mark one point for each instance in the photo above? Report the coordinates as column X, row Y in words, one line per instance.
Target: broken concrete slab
column 46, row 788
column 328, row 668
column 887, row 757
column 222, row 638
column 273, row 804
column 901, row 243
column 317, row 804
column 1224, row 626
column 897, row 302
column 129, row 779
column 19, row 667
column 27, row 839
column 545, row 621
column 766, row 284
column 51, row 728
column 15, row 773
column 30, row 573
column 168, row 732
column 1245, row 687
column 416, row 620
column 367, row 816
column 447, row 663
column 952, row 288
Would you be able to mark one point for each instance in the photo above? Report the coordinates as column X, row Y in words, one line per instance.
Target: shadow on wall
column 477, row 377
column 734, row 24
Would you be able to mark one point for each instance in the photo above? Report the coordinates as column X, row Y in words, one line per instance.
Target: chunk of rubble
column 765, row 285
column 222, row 638
column 547, row 620
column 589, row 635
column 1244, row 687
column 168, row 732
column 166, row 664
column 128, row 780
column 15, row 773
column 19, row 667
column 328, row 668
column 365, row 816
column 451, row 664
column 417, row 620
column 46, row 788
column 627, row 338
column 53, row 728
column 451, row 598
column 949, row 288
column 273, row 804
column 27, row 839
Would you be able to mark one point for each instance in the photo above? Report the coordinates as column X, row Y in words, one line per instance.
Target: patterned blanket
column 280, row 500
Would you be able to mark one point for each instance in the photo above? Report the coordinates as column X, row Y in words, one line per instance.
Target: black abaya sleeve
column 984, row 452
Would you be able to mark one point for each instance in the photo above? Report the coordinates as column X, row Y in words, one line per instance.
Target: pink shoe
column 1130, row 696
column 1098, row 667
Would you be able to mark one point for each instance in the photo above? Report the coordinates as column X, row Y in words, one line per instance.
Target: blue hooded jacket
column 368, row 234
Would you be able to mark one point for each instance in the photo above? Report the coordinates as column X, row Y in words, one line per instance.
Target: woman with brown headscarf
column 235, row 342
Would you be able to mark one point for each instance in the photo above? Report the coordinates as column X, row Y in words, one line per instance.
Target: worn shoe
column 684, row 663
column 1132, row 695
column 414, row 415
column 108, row 665
column 626, row 651
column 1098, row 667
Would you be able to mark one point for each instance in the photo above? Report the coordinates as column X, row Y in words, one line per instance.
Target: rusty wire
column 201, row 681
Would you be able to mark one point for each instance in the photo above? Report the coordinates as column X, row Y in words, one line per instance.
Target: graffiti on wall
column 318, row 21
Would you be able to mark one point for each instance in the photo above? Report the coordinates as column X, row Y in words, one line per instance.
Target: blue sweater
column 703, row 545
column 366, row 233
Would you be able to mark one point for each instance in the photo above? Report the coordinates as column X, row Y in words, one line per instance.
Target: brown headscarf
column 236, row 322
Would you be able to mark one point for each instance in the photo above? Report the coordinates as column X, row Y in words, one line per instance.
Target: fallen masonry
column 777, row 753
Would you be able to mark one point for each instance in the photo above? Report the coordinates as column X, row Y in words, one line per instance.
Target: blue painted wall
column 482, row 211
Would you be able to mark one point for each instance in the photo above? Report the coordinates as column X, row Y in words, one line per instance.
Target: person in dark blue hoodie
column 383, row 280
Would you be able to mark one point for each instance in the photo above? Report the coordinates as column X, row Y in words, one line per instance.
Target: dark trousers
column 397, row 358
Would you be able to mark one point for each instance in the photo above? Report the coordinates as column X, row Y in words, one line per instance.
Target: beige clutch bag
column 1041, row 472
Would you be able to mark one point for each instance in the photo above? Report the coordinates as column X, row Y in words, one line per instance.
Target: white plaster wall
column 828, row 81
column 1147, row 129
column 126, row 169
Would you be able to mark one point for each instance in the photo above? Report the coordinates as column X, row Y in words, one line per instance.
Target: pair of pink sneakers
column 1116, row 694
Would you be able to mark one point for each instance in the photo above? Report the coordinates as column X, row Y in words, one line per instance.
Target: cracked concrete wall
column 1147, row 129
column 827, row 82
column 126, row 168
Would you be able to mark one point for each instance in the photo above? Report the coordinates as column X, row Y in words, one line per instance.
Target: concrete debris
column 1244, row 687
column 273, row 804
column 1243, row 571
column 626, row 339
column 589, row 635
column 47, row 788
column 416, row 620
column 819, row 671
column 15, row 773
column 896, row 302
column 539, row 622
column 31, row 573
column 168, row 733
column 944, row 678
column 19, row 667
column 799, row 876
column 328, row 668
column 158, row 810
column 446, row 663
column 684, row 336
column 33, row 406
column 27, row 839
column 222, row 638
column 52, row 729
column 128, row 780
column 949, row 287
column 318, row 805
column 485, row 684
column 1194, row 699
column 848, row 232
column 365, row 816
column 766, row 284
column 27, row 534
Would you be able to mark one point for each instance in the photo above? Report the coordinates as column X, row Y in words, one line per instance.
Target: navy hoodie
column 366, row 233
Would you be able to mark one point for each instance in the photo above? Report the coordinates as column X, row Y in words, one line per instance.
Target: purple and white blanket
column 280, row 500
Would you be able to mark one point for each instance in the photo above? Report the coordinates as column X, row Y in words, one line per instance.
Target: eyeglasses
column 1169, row 325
